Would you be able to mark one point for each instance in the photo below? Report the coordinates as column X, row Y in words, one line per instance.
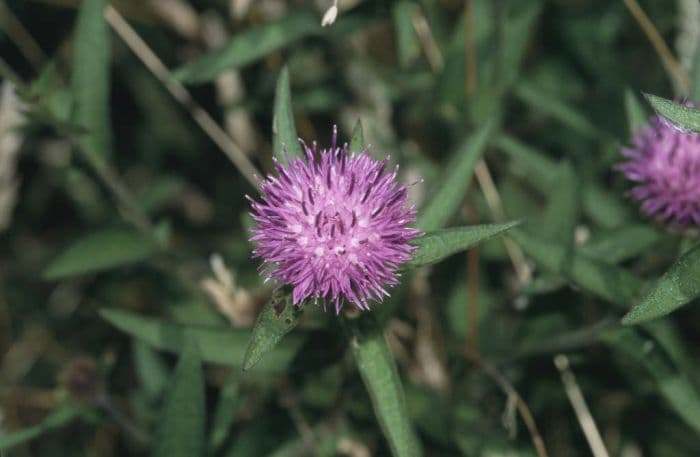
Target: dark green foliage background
column 556, row 89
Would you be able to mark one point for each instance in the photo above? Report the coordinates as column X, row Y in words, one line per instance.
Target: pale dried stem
column 675, row 70
column 11, row 139
column 180, row 93
column 179, row 15
column 578, row 402
column 493, row 200
column 427, row 41
column 513, row 395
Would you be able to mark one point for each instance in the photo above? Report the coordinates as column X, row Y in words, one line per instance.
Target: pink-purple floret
column 664, row 162
column 334, row 226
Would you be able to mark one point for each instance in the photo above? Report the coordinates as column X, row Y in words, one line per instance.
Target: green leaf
column 605, row 280
column 57, row 419
column 181, row 427
column 561, row 214
column 695, row 76
column 673, row 385
column 378, row 370
column 278, row 317
column 636, row 115
column 530, row 163
column 151, row 370
column 101, row 251
column 683, row 116
column 605, row 208
column 621, row 244
column 248, row 46
column 518, row 28
column 552, row 105
column 284, row 132
column 408, row 46
column 357, row 143
column 90, row 81
column 225, row 414
column 562, row 342
column 447, row 197
column 436, row 246
column 216, row 344
column 677, row 287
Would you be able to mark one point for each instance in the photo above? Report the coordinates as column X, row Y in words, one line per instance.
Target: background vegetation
column 128, row 293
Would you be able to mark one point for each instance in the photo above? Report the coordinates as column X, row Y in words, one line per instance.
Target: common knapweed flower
column 664, row 162
column 334, row 226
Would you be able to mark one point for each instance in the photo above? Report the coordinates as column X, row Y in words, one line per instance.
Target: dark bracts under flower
column 334, row 226
column 664, row 161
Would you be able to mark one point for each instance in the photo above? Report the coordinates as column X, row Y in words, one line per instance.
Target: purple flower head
column 333, row 226
column 664, row 162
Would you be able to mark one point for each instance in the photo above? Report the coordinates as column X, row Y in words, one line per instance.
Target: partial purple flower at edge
column 334, row 226
column 664, row 162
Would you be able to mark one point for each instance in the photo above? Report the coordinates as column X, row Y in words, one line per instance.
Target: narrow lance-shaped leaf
column 151, row 370
column 225, row 413
column 561, row 214
column 284, row 131
column 677, row 287
column 378, row 370
column 673, row 385
column 278, row 317
column 216, row 344
column 681, row 115
column 408, row 46
column 605, row 208
column 248, row 46
column 561, row 342
column 435, row 246
column 608, row 281
column 57, row 419
column 552, row 105
column 101, row 251
column 518, row 28
column 529, row 163
column 695, row 76
column 448, row 196
column 621, row 244
column 357, row 142
column 181, row 427
column 90, row 80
